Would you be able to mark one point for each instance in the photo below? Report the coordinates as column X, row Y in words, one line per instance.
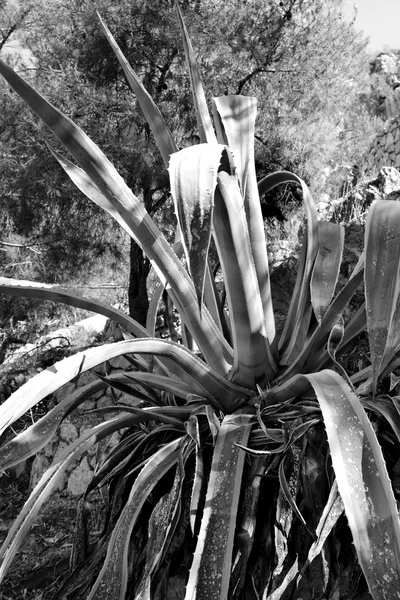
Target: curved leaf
column 295, row 332
column 32, row 289
column 356, row 325
column 382, row 281
column 385, row 406
column 162, row 525
column 235, row 120
column 52, row 378
column 313, row 353
column 164, row 383
column 204, row 123
column 212, row 561
column 363, row 482
column 252, row 356
column 193, row 176
column 111, row 185
column 326, row 268
column 32, row 440
column 113, row 578
column 162, row 134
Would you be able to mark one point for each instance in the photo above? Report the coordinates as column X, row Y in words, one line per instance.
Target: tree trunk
column 137, row 292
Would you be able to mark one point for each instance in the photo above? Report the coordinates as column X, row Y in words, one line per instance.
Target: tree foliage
column 300, row 58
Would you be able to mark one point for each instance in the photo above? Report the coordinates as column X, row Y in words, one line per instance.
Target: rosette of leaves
column 247, row 447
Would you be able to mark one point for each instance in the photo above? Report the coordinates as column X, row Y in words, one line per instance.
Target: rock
column 389, row 180
column 50, row 448
column 389, row 140
column 89, row 404
column 64, row 391
column 19, row 379
column 129, row 400
column 105, row 402
column 113, row 332
column 68, row 432
column 114, row 440
column 80, row 478
column 119, row 362
column 39, row 466
column 85, row 378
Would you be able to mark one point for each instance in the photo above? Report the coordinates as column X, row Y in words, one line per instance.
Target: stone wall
column 27, row 362
column 385, row 82
column 385, row 151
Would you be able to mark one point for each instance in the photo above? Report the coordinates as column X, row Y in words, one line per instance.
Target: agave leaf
column 151, row 317
column 214, row 304
column 393, row 339
column 162, row 525
column 382, row 278
column 164, row 383
column 111, row 185
column 64, row 371
column 289, row 489
column 332, row 511
column 385, row 406
column 113, row 578
column 32, row 440
column 198, row 481
column 286, row 441
column 356, row 325
column 334, row 340
column 32, row 289
column 326, row 268
column 204, row 122
column 194, row 372
column 172, row 415
column 246, row 526
column 363, row 483
column 193, row 176
column 128, row 452
column 295, row 332
column 235, row 120
column 252, row 356
column 212, row 561
column 119, row 381
column 155, row 300
column 86, row 185
column 195, row 433
column 212, row 421
column 278, row 593
column 162, row 134
column 49, row 481
column 313, row 353
column 285, row 508
column 52, row 378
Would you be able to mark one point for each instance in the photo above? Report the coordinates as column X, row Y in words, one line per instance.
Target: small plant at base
column 184, row 502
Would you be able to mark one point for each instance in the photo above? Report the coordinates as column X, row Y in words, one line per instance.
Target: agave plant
column 216, row 488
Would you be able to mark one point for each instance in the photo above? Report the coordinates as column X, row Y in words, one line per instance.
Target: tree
column 299, row 58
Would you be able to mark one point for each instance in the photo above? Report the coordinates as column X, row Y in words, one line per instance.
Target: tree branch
column 5, row 35
column 257, row 71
